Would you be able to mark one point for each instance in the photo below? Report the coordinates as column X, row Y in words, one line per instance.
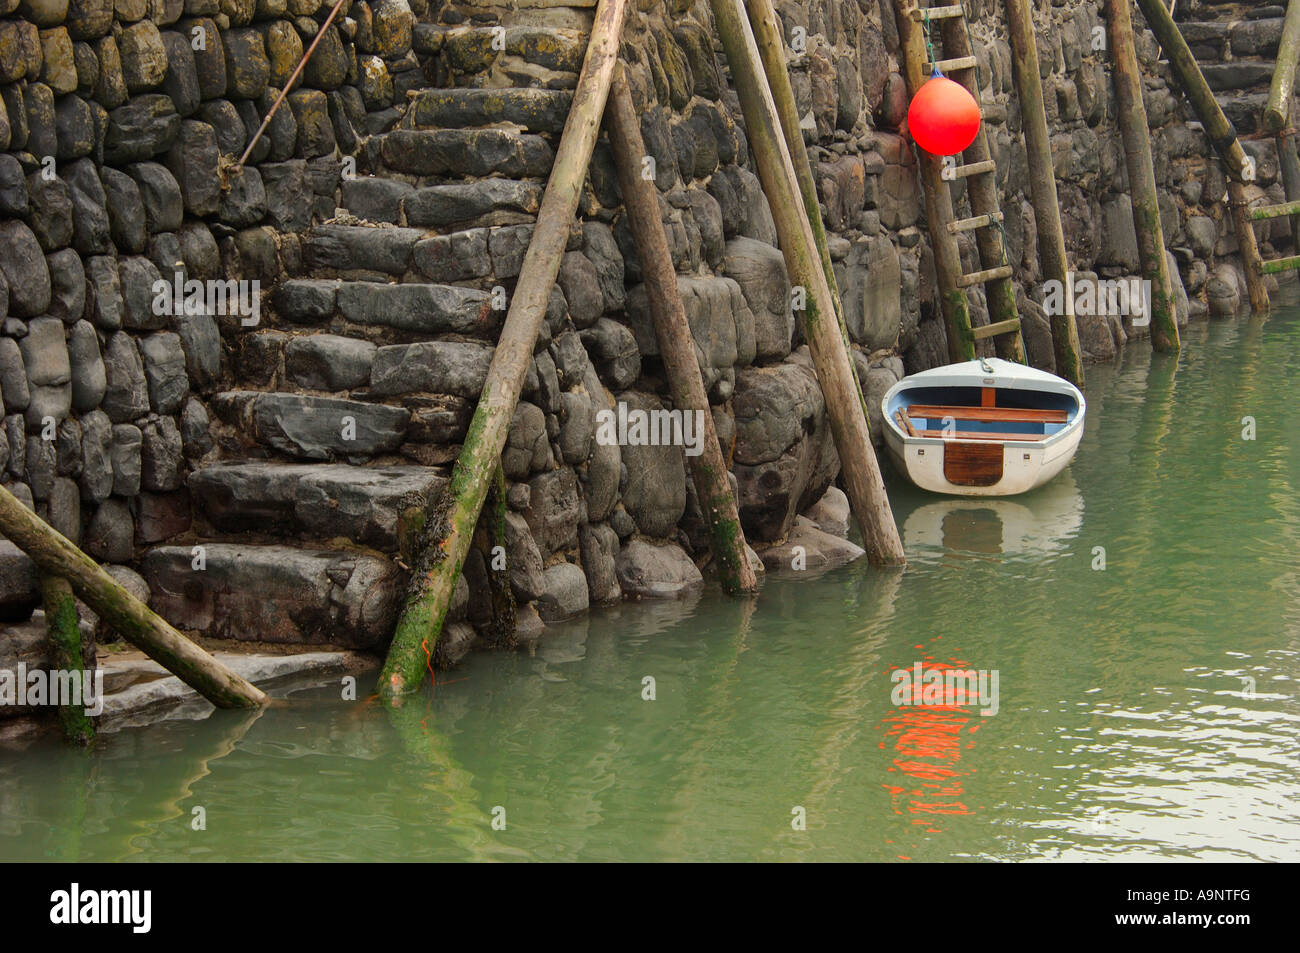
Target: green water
column 1125, row 729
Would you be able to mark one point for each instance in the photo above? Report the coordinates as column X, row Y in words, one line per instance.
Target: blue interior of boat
column 971, row 397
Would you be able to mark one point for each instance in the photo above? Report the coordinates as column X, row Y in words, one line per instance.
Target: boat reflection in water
column 1036, row 525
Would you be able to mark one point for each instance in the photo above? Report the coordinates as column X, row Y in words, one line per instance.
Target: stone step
column 315, row 501
column 1212, row 40
column 314, row 428
column 461, row 205
column 1244, row 110
column 466, row 152
column 425, row 309
column 537, row 110
column 475, row 49
column 278, row 594
column 1239, row 74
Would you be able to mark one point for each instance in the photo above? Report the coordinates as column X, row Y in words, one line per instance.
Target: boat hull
column 1024, row 465
column 971, row 459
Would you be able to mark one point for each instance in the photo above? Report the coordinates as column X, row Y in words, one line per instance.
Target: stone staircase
column 1235, row 45
column 357, row 387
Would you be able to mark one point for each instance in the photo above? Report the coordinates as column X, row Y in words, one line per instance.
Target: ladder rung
column 970, row 224
column 938, row 13
column 979, row 277
column 996, row 328
column 973, row 168
column 955, row 64
column 1273, row 211
column 1279, row 265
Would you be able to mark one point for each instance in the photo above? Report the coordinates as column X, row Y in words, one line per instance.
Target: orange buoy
column 943, row 117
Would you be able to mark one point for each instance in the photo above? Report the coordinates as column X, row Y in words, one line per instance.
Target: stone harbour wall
column 262, row 480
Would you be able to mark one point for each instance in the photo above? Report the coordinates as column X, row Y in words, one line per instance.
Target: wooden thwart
column 938, row 433
column 989, row 414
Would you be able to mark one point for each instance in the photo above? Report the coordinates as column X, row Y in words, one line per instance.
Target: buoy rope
column 929, row 43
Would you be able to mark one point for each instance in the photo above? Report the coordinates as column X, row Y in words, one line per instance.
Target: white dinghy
column 986, row 427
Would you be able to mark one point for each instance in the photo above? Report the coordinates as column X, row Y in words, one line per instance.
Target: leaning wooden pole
column 55, row 555
column 1222, row 136
column 67, row 655
column 844, row 406
column 1289, row 164
column 676, row 345
column 1283, row 86
column 771, row 50
column 1042, row 182
column 1142, row 177
column 421, row 620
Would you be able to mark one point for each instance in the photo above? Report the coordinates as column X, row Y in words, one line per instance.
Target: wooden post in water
column 1222, row 136
column 56, row 556
column 1279, row 94
column 844, row 403
column 67, row 654
column 451, row 532
column 1142, row 178
column 676, row 345
column 1042, row 182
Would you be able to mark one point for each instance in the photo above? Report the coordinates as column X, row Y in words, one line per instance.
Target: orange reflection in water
column 929, row 741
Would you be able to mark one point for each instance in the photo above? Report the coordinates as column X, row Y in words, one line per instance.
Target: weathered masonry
column 260, row 479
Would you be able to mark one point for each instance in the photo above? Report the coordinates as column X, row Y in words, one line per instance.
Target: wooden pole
column 1141, row 177
column 320, row 34
column 938, row 202
column 677, row 347
column 1042, row 181
column 771, row 50
column 1222, row 136
column 451, row 533
column 1289, row 163
column 132, row 619
column 1279, row 93
column 67, row 654
column 844, row 405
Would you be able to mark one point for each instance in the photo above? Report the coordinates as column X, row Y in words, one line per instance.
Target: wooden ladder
column 978, row 168
column 1263, row 213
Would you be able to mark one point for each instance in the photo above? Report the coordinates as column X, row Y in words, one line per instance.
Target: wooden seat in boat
column 988, row 414
column 938, row 434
